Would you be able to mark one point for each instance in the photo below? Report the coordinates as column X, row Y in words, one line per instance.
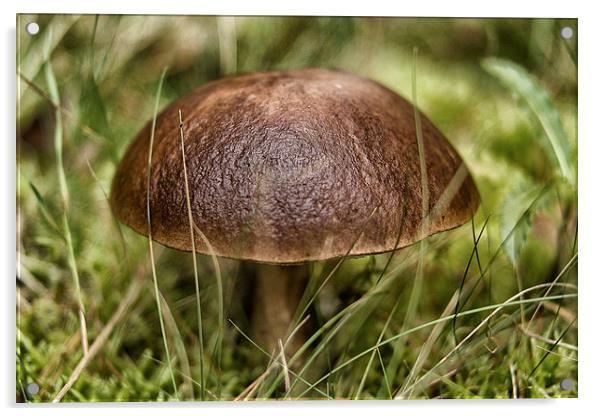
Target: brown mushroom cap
column 291, row 166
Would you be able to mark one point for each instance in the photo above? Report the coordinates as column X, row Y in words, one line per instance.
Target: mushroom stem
column 278, row 290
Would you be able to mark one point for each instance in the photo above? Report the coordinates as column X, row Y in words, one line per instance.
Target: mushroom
column 290, row 167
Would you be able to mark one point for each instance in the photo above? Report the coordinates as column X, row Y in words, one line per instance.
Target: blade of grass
column 216, row 353
column 65, row 111
column 183, row 375
column 548, row 340
column 91, row 105
column 514, row 380
column 63, row 188
column 425, row 194
column 44, row 210
column 33, row 60
column 565, row 357
column 305, row 305
column 226, row 37
column 424, row 224
column 500, row 247
column 106, row 198
column 472, row 254
column 560, row 311
column 100, row 68
column 380, row 337
column 384, row 370
column 427, row 346
column 130, row 297
column 517, row 79
column 194, row 263
column 274, row 362
column 339, row 320
column 496, row 309
column 336, row 322
column 564, row 270
column 521, row 301
column 150, row 234
column 179, row 345
column 397, row 240
column 548, row 352
column 332, row 271
column 285, row 370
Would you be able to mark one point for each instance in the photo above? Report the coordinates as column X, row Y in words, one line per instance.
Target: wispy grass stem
column 64, row 190
column 150, row 235
column 194, row 262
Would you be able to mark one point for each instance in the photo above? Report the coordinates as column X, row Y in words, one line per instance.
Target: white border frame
column 589, row 33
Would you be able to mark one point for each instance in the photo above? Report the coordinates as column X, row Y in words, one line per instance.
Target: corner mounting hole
column 566, row 32
column 32, row 389
column 32, row 28
column 566, row 384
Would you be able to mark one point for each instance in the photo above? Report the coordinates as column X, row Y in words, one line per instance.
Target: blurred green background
column 504, row 91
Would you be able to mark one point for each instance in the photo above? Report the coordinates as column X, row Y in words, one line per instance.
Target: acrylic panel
column 380, row 208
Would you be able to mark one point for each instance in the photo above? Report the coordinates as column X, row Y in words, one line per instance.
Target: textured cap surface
column 290, row 166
